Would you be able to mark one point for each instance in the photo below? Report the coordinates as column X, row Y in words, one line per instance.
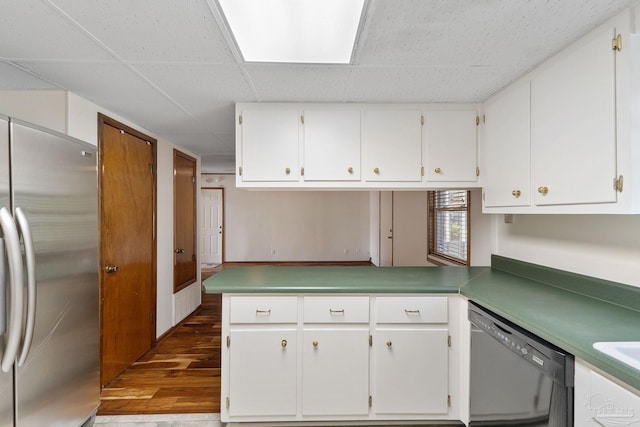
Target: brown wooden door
column 127, row 243
column 184, row 220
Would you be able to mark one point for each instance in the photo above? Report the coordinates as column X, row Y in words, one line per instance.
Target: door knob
column 112, row 268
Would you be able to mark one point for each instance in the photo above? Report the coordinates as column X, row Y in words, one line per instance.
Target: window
column 449, row 227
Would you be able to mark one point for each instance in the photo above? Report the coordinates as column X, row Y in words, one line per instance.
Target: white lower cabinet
column 411, row 371
column 335, row 357
column 335, row 372
column 263, row 372
column 600, row 401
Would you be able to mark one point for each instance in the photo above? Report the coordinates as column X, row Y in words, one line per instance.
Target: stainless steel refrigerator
column 49, row 371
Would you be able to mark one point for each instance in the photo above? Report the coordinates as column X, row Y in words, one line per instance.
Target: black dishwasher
column 517, row 378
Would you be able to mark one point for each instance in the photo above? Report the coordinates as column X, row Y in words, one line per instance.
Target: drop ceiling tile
column 13, row 78
column 198, row 87
column 33, row 30
column 118, row 89
column 203, row 143
column 422, row 84
column 151, row 30
column 291, row 82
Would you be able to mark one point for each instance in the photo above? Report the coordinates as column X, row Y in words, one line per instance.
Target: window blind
column 449, row 225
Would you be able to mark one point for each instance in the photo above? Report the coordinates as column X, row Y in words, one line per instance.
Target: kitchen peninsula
column 390, row 311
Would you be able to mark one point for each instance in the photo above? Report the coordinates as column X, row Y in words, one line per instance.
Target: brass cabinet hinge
column 240, row 119
column 422, row 120
column 302, row 119
column 477, row 120
column 616, row 43
column 228, row 341
column 370, row 401
column 449, row 340
column 477, row 170
column 449, row 401
column 240, row 170
column 193, row 179
column 226, row 402
column 302, row 170
column 370, row 340
column 618, row 183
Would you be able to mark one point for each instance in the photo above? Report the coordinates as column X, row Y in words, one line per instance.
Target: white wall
column 603, row 246
column 46, row 108
column 294, row 225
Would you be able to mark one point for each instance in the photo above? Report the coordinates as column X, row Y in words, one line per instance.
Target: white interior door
column 211, row 231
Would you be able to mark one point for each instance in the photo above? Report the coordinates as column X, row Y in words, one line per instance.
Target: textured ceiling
column 168, row 66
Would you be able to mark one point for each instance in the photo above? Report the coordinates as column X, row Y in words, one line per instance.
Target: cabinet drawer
column 336, row 309
column 263, row 310
column 411, row 310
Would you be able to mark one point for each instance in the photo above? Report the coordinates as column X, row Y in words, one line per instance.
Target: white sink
column 625, row 351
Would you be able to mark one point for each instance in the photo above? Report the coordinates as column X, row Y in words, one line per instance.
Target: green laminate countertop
column 340, row 279
column 569, row 310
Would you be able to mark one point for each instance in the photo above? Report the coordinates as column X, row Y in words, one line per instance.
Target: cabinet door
column 411, row 371
column 600, row 401
column 573, row 126
column 331, row 145
column 392, row 145
column 262, row 372
column 506, row 148
column 335, row 371
column 451, row 137
column 269, row 145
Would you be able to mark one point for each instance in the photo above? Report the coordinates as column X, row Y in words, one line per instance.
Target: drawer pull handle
column 267, row 312
column 389, row 343
column 283, row 343
column 332, row 311
column 315, row 343
column 412, row 311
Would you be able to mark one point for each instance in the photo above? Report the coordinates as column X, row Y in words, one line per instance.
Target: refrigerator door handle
column 15, row 276
column 30, row 254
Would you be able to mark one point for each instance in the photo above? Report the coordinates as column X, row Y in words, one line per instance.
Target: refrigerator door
column 55, row 185
column 6, row 379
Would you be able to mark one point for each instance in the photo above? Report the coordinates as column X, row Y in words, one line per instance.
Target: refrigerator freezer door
column 54, row 182
column 6, row 379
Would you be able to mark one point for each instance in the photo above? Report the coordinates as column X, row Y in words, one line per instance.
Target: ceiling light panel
column 294, row 31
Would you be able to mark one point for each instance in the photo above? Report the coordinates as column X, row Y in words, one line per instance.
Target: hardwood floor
column 181, row 374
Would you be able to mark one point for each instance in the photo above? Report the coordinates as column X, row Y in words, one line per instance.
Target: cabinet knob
column 516, row 193
column 350, row 170
column 376, row 170
column 389, row 343
column 543, row 190
column 283, row 343
column 437, row 170
column 288, row 170
column 179, row 251
column 315, row 343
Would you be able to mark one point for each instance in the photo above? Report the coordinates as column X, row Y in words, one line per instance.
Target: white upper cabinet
column 268, row 148
column 451, row 141
column 573, row 124
column 506, row 147
column 331, row 145
column 392, row 145
column 584, row 125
